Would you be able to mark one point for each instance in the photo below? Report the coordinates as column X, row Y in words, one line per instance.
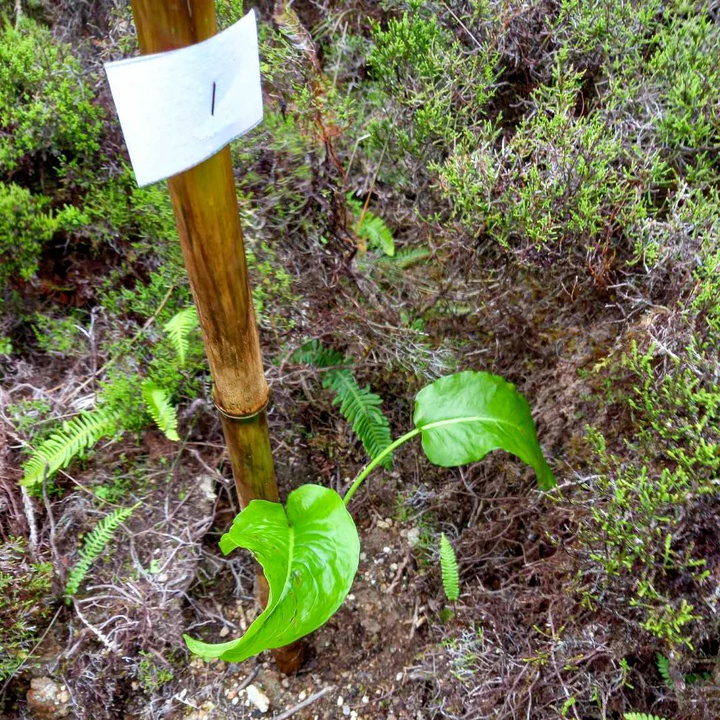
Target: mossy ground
column 549, row 172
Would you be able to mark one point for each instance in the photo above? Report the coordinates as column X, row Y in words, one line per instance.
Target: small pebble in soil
column 302, row 695
column 346, row 710
column 413, row 537
column 340, row 701
column 257, row 698
column 399, row 677
column 365, row 699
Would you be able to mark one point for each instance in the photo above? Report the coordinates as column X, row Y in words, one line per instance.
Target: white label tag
column 178, row 108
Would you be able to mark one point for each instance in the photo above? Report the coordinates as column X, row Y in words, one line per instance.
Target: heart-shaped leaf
column 309, row 551
column 463, row 417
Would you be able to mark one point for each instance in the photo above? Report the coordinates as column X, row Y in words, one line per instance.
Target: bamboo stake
column 208, row 223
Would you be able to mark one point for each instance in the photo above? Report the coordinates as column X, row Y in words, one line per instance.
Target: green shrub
column 25, row 603
column 46, row 107
column 25, row 227
column 641, row 534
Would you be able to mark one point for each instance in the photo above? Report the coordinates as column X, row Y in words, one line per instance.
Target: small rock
column 302, row 695
column 413, row 537
column 399, row 677
column 47, row 699
column 340, row 701
column 365, row 699
column 382, row 524
column 224, row 631
column 257, row 698
column 346, row 710
column 387, row 549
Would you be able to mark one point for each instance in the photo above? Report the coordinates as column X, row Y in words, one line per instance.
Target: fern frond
column 320, row 356
column 641, row 716
column 161, row 410
column 449, row 567
column 61, row 447
column 179, row 328
column 663, row 666
column 94, row 544
column 372, row 228
column 361, row 408
column 377, row 233
column 410, row 256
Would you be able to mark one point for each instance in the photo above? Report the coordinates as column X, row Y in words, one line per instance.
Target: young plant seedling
column 309, row 549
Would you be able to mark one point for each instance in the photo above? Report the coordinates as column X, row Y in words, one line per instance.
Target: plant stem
column 374, row 463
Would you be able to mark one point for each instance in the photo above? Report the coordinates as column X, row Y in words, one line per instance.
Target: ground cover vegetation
column 526, row 189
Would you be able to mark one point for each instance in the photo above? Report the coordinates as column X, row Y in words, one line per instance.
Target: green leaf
column 179, row 328
column 663, row 666
column 449, row 568
column 56, row 453
column 377, row 233
column 161, row 409
column 465, row 416
column 309, row 552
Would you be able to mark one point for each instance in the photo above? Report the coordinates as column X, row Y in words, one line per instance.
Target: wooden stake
column 208, row 223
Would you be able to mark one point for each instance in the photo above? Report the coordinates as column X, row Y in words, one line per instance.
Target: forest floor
column 551, row 199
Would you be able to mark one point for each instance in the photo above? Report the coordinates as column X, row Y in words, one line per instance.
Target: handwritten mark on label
column 161, row 100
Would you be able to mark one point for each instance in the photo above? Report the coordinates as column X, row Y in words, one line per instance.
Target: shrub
column 25, row 603
column 46, row 107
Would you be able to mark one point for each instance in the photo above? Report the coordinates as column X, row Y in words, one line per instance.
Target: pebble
column 387, row 549
column 346, row 710
column 258, row 698
column 399, row 677
column 383, row 524
column 365, row 699
column 340, row 701
column 224, row 631
column 302, row 695
column 413, row 537
column 48, row 699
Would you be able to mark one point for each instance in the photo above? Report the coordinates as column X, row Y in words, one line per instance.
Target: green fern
column 55, row 453
column 663, row 666
column 319, row 355
column 359, row 406
column 372, row 228
column 162, row 411
column 179, row 328
column 410, row 256
column 641, row 716
column 449, row 567
column 94, row 544
column 377, row 233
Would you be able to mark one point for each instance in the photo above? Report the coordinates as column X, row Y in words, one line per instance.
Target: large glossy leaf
column 309, row 551
column 463, row 417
